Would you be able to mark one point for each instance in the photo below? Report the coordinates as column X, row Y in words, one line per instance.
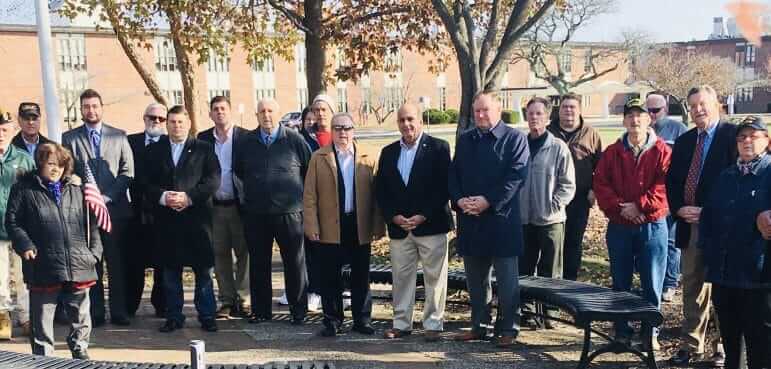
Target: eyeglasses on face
column 340, row 129
column 155, row 117
column 654, row 110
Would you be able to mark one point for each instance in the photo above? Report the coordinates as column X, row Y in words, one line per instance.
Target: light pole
column 53, row 114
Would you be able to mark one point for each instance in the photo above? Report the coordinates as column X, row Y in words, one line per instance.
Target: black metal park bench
column 586, row 303
column 12, row 360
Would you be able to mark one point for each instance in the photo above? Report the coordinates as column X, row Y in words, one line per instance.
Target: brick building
column 87, row 58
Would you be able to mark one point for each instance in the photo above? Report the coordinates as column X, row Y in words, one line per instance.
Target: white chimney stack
column 718, row 28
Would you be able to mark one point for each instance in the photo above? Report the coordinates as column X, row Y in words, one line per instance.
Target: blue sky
column 665, row 20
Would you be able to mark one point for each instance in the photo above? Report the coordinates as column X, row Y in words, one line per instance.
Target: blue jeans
column 673, row 256
column 647, row 244
column 204, row 300
column 478, row 272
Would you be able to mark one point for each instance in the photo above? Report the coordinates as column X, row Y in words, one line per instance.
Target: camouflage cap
column 634, row 104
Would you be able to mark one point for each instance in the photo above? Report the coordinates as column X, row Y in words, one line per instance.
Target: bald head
column 409, row 122
column 268, row 115
column 657, row 107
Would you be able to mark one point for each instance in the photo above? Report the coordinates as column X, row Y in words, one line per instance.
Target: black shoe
column 255, row 319
column 329, row 332
column 298, row 320
column 81, row 355
column 121, row 320
column 680, row 358
column 170, row 326
column 209, row 325
column 96, row 322
column 364, row 328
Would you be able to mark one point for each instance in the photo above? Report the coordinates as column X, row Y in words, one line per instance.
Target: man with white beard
column 139, row 240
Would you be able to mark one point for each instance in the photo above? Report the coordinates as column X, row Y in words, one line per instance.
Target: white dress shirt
column 176, row 152
column 407, row 158
column 224, row 151
column 347, row 164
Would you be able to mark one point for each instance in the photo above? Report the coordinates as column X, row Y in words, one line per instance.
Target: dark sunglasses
column 654, row 110
column 340, row 129
column 155, row 117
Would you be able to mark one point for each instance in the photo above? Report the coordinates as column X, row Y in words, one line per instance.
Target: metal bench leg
column 584, row 362
column 650, row 359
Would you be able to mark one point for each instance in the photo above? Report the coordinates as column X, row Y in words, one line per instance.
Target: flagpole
column 53, row 114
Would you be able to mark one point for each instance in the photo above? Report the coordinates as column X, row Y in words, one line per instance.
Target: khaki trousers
column 696, row 295
column 228, row 235
column 12, row 283
column 431, row 252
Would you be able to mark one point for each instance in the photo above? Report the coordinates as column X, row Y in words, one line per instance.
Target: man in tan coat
column 340, row 214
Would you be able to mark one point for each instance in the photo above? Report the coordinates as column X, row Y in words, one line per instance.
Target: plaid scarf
column 748, row 167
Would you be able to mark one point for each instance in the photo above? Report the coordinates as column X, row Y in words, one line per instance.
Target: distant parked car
column 292, row 120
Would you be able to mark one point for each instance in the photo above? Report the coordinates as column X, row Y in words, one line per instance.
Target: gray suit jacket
column 113, row 170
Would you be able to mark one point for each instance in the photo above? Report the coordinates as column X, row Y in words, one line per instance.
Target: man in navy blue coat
column 485, row 177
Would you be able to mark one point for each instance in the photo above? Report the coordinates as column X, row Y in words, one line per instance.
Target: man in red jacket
column 629, row 183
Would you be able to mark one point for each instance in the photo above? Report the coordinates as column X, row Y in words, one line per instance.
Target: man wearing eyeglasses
column 668, row 130
column 139, row 236
column 341, row 215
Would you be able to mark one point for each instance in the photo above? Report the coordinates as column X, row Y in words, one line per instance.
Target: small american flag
column 95, row 201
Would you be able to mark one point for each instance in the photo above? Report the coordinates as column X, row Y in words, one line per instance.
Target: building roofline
column 765, row 38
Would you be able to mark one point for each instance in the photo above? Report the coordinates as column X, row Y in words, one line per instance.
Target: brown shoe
column 506, row 341
column 395, row 333
column 26, row 329
column 5, row 326
column 467, row 336
column 432, row 336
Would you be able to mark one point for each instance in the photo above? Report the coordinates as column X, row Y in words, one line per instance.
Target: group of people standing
column 164, row 199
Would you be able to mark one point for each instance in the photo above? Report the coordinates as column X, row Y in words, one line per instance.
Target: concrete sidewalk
column 278, row 341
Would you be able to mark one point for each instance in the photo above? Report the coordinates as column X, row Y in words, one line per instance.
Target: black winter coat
column 65, row 236
column 184, row 238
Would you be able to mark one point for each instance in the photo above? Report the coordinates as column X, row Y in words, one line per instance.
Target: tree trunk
column 469, row 88
column 186, row 71
column 147, row 76
column 315, row 49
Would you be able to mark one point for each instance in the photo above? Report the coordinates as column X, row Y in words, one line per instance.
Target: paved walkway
column 277, row 341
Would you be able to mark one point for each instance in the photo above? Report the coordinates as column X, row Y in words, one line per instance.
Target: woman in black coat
column 58, row 238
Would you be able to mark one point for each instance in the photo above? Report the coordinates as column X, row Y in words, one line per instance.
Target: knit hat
column 327, row 99
column 5, row 117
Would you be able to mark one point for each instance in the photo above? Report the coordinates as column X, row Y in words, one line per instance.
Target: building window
column 588, row 61
column 586, row 101
column 70, row 105
column 442, row 98
column 366, row 100
column 394, row 62
column 264, row 65
column 265, row 93
column 300, row 58
column 749, row 55
column 744, row 94
column 165, row 58
column 302, row 97
column 566, row 61
column 175, row 97
column 72, row 53
column 215, row 93
column 218, row 63
column 394, row 97
column 342, row 99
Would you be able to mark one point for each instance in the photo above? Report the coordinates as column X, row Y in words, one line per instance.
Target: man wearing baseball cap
column 29, row 137
column 734, row 253
column 12, row 161
column 629, row 185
